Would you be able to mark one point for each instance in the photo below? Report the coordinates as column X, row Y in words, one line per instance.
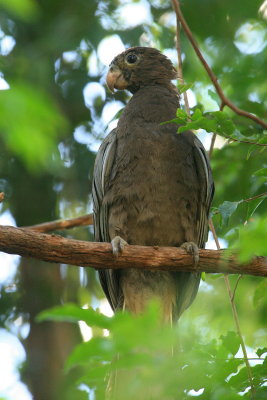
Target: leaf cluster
column 142, row 357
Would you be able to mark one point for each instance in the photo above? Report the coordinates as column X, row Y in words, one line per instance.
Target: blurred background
column 54, row 112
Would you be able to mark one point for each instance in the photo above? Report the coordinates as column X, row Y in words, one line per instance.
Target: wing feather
column 188, row 282
column 109, row 279
column 206, row 191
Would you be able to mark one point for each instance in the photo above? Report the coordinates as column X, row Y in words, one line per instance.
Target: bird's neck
column 155, row 104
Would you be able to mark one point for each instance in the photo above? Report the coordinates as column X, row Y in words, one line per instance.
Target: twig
column 61, row 224
column 180, row 64
column 235, row 315
column 225, row 100
column 236, row 284
column 244, row 201
column 214, row 135
column 244, row 141
column 214, row 234
column 254, row 197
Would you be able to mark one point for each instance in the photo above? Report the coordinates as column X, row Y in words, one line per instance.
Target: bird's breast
column 151, row 192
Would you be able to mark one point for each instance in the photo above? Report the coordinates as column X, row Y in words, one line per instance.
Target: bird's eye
column 131, row 58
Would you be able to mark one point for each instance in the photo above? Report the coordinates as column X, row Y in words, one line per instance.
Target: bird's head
column 138, row 67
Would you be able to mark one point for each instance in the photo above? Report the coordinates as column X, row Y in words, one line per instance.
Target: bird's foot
column 191, row 248
column 117, row 245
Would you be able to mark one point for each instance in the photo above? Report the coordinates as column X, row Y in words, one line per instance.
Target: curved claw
column 117, row 244
column 191, row 248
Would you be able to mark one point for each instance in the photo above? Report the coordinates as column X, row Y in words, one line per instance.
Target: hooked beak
column 115, row 79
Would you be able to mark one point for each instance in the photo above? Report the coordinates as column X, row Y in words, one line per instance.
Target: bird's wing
column 109, row 279
column 206, row 191
column 188, row 282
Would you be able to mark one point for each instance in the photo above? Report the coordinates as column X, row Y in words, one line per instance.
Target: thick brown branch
column 99, row 256
column 225, row 100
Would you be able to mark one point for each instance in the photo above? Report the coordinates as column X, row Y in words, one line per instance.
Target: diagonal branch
column 180, row 65
column 244, row 141
column 225, row 100
column 61, row 224
column 53, row 248
column 231, row 295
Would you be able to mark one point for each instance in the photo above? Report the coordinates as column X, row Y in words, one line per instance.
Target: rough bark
column 53, row 248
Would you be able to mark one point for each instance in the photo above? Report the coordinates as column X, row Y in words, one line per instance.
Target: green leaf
column 183, row 87
column 224, row 124
column 72, row 313
column 99, row 348
column 201, row 123
column 231, row 342
column 226, row 209
column 260, row 293
column 240, row 380
column 261, row 351
column 209, row 125
column 254, row 147
column 261, row 172
column 181, row 114
column 252, row 239
column 177, row 121
column 196, row 115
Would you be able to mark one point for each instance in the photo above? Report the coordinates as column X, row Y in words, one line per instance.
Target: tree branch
column 244, row 141
column 57, row 249
column 61, row 224
column 180, row 65
column 225, row 100
column 235, row 315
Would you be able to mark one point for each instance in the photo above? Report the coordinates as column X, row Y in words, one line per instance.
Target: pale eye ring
column 131, row 58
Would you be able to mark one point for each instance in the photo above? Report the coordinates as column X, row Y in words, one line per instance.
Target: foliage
column 143, row 357
column 32, row 140
column 52, row 118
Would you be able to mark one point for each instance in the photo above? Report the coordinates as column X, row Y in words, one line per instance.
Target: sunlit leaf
column 252, row 239
column 73, row 313
column 226, row 209
column 260, row 293
column 196, row 115
column 224, row 124
column 254, row 147
column 181, row 114
column 261, row 172
column 231, row 341
column 183, row 87
column 99, row 348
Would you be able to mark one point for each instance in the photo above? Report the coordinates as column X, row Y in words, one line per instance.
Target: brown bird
column 152, row 186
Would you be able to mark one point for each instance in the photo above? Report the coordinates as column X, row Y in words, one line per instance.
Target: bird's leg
column 117, row 244
column 191, row 248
